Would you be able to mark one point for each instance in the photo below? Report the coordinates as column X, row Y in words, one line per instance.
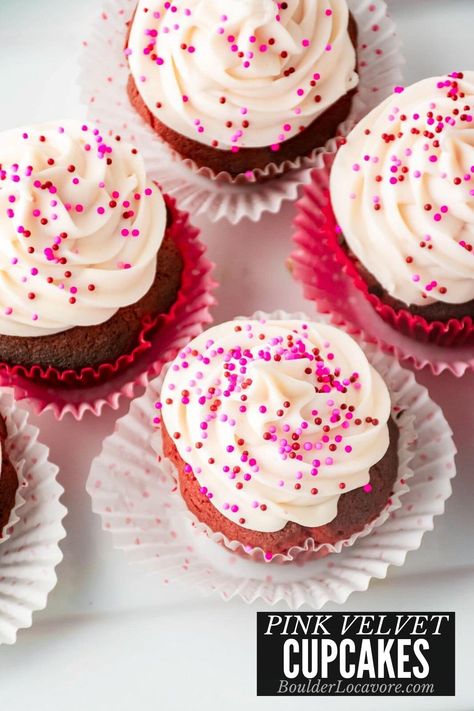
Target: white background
column 114, row 639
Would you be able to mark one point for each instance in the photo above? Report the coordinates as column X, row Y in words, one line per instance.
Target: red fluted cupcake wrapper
column 92, row 389
column 331, row 279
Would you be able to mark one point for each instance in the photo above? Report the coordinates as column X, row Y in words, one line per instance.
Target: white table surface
column 112, row 639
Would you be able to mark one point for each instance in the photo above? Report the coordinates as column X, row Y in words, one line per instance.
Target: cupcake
column 90, row 256
column 402, row 191
column 8, row 482
column 280, row 432
column 266, row 82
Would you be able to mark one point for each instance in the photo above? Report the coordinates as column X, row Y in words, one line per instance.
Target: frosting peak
column 80, row 228
column 244, row 73
column 402, row 189
column 276, row 419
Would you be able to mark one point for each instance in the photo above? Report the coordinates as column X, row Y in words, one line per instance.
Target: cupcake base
column 316, row 135
column 356, row 509
column 89, row 346
column 8, row 481
column 437, row 311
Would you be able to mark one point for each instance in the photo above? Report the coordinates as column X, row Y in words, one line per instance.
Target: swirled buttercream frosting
column 80, row 228
column 276, row 419
column 402, row 189
column 241, row 73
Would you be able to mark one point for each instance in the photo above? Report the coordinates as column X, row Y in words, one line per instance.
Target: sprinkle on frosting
column 402, row 190
column 80, row 228
column 276, row 420
column 243, row 73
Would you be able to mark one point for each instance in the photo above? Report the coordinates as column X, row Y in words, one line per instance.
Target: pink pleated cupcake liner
column 142, row 509
column 103, row 80
column 92, row 389
column 331, row 280
column 29, row 546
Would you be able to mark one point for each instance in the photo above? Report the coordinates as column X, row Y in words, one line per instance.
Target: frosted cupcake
column 402, row 190
column 90, row 256
column 239, row 85
column 280, row 432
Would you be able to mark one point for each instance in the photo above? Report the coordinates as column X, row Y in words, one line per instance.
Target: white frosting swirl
column 80, row 228
column 290, row 418
column 243, row 73
column 402, row 189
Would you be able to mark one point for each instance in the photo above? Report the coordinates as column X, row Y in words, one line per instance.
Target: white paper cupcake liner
column 136, row 497
column 29, row 552
column 103, row 80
